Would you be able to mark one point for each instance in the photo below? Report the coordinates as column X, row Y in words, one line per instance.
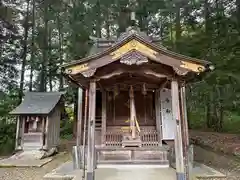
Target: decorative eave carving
column 133, row 30
column 185, row 67
column 131, row 46
column 82, row 68
column 192, row 66
column 89, row 72
column 77, row 69
column 133, row 57
column 180, row 71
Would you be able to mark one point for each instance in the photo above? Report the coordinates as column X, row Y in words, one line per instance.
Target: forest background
column 38, row 36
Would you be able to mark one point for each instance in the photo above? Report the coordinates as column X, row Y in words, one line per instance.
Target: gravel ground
column 32, row 173
column 228, row 165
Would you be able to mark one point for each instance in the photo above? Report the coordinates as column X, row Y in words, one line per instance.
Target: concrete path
column 117, row 173
column 122, row 172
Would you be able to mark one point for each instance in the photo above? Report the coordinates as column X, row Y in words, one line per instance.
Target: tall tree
column 43, row 73
column 32, row 46
column 25, row 49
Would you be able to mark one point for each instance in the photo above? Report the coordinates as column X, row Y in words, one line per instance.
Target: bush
column 66, row 129
column 67, row 124
column 7, row 137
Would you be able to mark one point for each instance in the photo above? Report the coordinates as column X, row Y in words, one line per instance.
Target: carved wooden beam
column 133, row 57
column 137, row 87
column 150, row 72
column 140, row 71
column 114, row 73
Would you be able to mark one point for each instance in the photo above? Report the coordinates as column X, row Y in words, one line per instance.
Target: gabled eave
column 159, row 49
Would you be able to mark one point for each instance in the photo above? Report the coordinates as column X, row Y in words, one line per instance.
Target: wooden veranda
column 134, row 101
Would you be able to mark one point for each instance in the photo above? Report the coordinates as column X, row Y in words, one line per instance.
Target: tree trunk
column 143, row 23
column 123, row 20
column 208, row 112
column 60, row 52
column 171, row 29
column 50, row 63
column 24, row 53
column 32, row 47
column 108, row 24
column 220, row 110
column 75, row 112
column 43, row 76
column 98, row 23
column 177, row 25
column 207, row 17
column 238, row 14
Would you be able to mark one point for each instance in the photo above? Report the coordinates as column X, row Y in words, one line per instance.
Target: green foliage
column 67, row 125
column 51, row 33
column 7, row 123
column 231, row 123
column 7, row 137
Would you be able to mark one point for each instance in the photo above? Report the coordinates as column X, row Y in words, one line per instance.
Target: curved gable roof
column 136, row 36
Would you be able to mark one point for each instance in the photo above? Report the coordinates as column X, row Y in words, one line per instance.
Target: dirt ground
column 226, row 164
column 225, row 143
column 33, row 173
column 219, row 151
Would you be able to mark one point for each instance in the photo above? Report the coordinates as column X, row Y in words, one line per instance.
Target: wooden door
column 118, row 109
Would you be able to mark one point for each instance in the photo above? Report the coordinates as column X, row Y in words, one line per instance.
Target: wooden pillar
column 23, row 119
column 158, row 115
column 186, row 147
column 43, row 132
column 104, row 117
column 47, row 133
column 178, row 134
column 79, row 122
column 17, row 133
column 85, row 131
column 132, row 112
column 91, row 131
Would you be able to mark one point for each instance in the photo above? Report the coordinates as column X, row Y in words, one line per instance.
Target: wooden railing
column 113, row 139
column 148, row 138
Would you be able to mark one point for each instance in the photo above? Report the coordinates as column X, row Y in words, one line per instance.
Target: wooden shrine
column 134, row 101
column 38, row 121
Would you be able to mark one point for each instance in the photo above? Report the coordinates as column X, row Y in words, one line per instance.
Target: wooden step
column 132, row 155
column 140, row 162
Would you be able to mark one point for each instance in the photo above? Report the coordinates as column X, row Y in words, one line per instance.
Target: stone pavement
column 131, row 172
column 25, row 159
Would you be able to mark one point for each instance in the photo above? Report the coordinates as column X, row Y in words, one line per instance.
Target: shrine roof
column 38, row 103
column 102, row 47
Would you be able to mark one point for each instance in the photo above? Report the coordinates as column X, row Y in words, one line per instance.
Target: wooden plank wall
column 53, row 132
